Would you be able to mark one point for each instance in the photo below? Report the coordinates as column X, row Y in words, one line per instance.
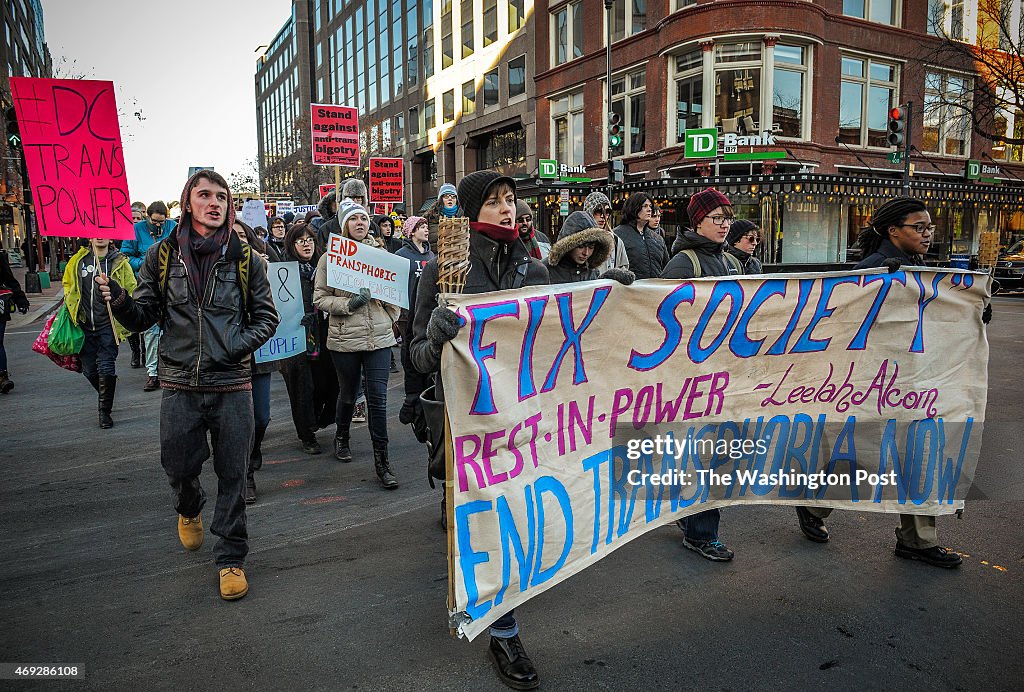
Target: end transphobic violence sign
column 584, row 415
column 335, row 131
column 73, row 153
column 290, row 338
column 386, row 180
column 352, row 266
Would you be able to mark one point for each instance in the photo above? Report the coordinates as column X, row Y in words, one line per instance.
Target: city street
column 348, row 582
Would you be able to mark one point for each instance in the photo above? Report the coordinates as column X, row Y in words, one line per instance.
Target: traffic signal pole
column 906, row 149
column 608, row 4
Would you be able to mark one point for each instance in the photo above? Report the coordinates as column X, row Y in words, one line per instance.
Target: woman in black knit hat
column 743, row 239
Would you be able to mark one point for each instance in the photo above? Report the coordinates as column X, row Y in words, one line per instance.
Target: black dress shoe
column 136, row 359
column 514, row 667
column 812, row 526
column 250, row 490
column 936, row 555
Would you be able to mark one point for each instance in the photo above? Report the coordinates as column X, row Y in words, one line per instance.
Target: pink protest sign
column 335, row 131
column 74, row 158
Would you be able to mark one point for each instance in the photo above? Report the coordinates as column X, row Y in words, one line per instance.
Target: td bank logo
column 701, row 143
column 548, row 168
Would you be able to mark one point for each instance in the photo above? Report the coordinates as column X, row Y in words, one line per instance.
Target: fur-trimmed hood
column 568, row 242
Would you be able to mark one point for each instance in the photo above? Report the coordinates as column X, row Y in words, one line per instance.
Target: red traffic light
column 898, row 113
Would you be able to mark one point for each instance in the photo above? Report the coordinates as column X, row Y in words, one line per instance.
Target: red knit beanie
column 703, row 203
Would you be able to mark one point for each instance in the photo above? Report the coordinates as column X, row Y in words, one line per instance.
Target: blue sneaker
column 712, row 550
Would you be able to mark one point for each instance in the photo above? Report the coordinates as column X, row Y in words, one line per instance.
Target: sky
column 187, row 66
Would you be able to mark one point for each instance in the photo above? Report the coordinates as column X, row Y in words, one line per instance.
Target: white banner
column 352, row 266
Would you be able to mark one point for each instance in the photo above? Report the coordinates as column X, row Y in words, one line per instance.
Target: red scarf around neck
column 500, row 234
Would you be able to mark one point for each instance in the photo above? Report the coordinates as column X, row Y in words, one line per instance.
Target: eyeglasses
column 753, row 238
column 305, row 241
column 524, row 219
column 604, row 211
column 720, row 220
column 920, row 228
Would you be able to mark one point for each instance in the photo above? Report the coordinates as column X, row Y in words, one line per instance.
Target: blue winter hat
column 447, row 189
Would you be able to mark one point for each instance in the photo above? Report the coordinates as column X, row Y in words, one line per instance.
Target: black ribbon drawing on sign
column 283, row 288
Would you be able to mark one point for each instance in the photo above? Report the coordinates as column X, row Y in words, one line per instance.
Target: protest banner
column 285, row 206
column 335, row 132
column 303, row 209
column 254, row 213
column 386, row 180
column 325, row 190
column 862, row 390
column 290, row 337
column 352, row 266
column 74, row 157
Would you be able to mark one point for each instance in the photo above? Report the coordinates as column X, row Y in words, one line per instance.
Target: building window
column 447, row 47
column 689, row 92
column 680, row 4
column 504, row 152
column 567, row 128
column 491, row 84
column 517, row 77
column 567, row 33
column 466, row 14
column 398, row 127
column 490, row 22
column 629, row 100
column 429, row 122
column 947, row 114
column 414, row 122
column 448, row 106
column 737, row 84
column 881, row 11
column 469, row 98
column 867, row 92
column 788, row 90
column 628, row 17
column 516, row 15
column 958, row 20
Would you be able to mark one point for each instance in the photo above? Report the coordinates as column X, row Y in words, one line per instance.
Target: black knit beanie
column 739, row 229
column 474, row 188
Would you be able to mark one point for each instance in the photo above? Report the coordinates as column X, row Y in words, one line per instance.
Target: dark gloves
column 108, row 285
column 443, row 326
column 22, row 303
column 308, row 320
column 892, row 264
column 986, row 314
column 623, row 276
column 359, row 300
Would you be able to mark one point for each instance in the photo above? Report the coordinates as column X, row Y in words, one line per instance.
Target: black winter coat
column 710, row 254
column 647, row 252
column 8, row 281
column 207, row 342
column 888, row 251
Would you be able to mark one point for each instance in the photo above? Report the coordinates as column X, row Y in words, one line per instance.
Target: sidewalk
column 40, row 304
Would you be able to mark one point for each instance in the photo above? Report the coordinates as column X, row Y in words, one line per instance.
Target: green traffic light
column 615, row 141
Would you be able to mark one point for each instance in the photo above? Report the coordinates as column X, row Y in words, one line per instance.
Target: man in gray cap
column 536, row 242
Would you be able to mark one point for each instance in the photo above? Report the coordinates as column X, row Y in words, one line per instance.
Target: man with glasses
column 152, row 229
column 702, row 253
column 599, row 206
column 537, row 243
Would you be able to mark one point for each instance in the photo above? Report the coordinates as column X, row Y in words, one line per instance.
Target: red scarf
column 499, row 234
column 532, row 246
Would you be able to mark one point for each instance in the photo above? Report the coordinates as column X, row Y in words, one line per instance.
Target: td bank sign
column 702, row 143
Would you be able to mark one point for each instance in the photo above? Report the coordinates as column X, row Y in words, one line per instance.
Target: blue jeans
column 185, row 420
column 99, row 353
column 376, row 365
column 261, row 399
column 3, row 351
column 702, row 527
column 506, row 626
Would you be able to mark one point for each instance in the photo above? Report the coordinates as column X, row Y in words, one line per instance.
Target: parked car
column 1009, row 269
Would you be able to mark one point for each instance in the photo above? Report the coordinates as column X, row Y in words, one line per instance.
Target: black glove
column 22, row 303
column 443, row 326
column 115, row 289
column 986, row 314
column 308, row 320
column 359, row 300
column 892, row 264
column 623, row 276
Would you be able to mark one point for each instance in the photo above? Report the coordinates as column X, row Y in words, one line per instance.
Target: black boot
column 133, row 342
column 250, row 490
column 380, row 464
column 255, row 463
column 514, row 667
column 107, row 385
column 341, row 449
column 94, row 380
column 6, row 385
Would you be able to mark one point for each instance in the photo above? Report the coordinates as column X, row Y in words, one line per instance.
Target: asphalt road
column 348, row 581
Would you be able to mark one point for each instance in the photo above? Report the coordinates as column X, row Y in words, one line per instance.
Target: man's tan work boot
column 232, row 583
column 190, row 531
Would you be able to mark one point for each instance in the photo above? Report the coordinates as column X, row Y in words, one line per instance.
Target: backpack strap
column 697, row 269
column 243, row 276
column 734, row 261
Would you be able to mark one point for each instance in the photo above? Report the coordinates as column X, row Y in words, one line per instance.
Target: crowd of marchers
column 192, row 298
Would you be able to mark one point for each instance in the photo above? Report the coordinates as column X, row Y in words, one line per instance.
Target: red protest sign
column 335, row 131
column 325, row 190
column 74, row 158
column 386, row 183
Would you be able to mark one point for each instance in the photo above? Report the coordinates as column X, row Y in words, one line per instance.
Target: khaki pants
column 915, row 531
